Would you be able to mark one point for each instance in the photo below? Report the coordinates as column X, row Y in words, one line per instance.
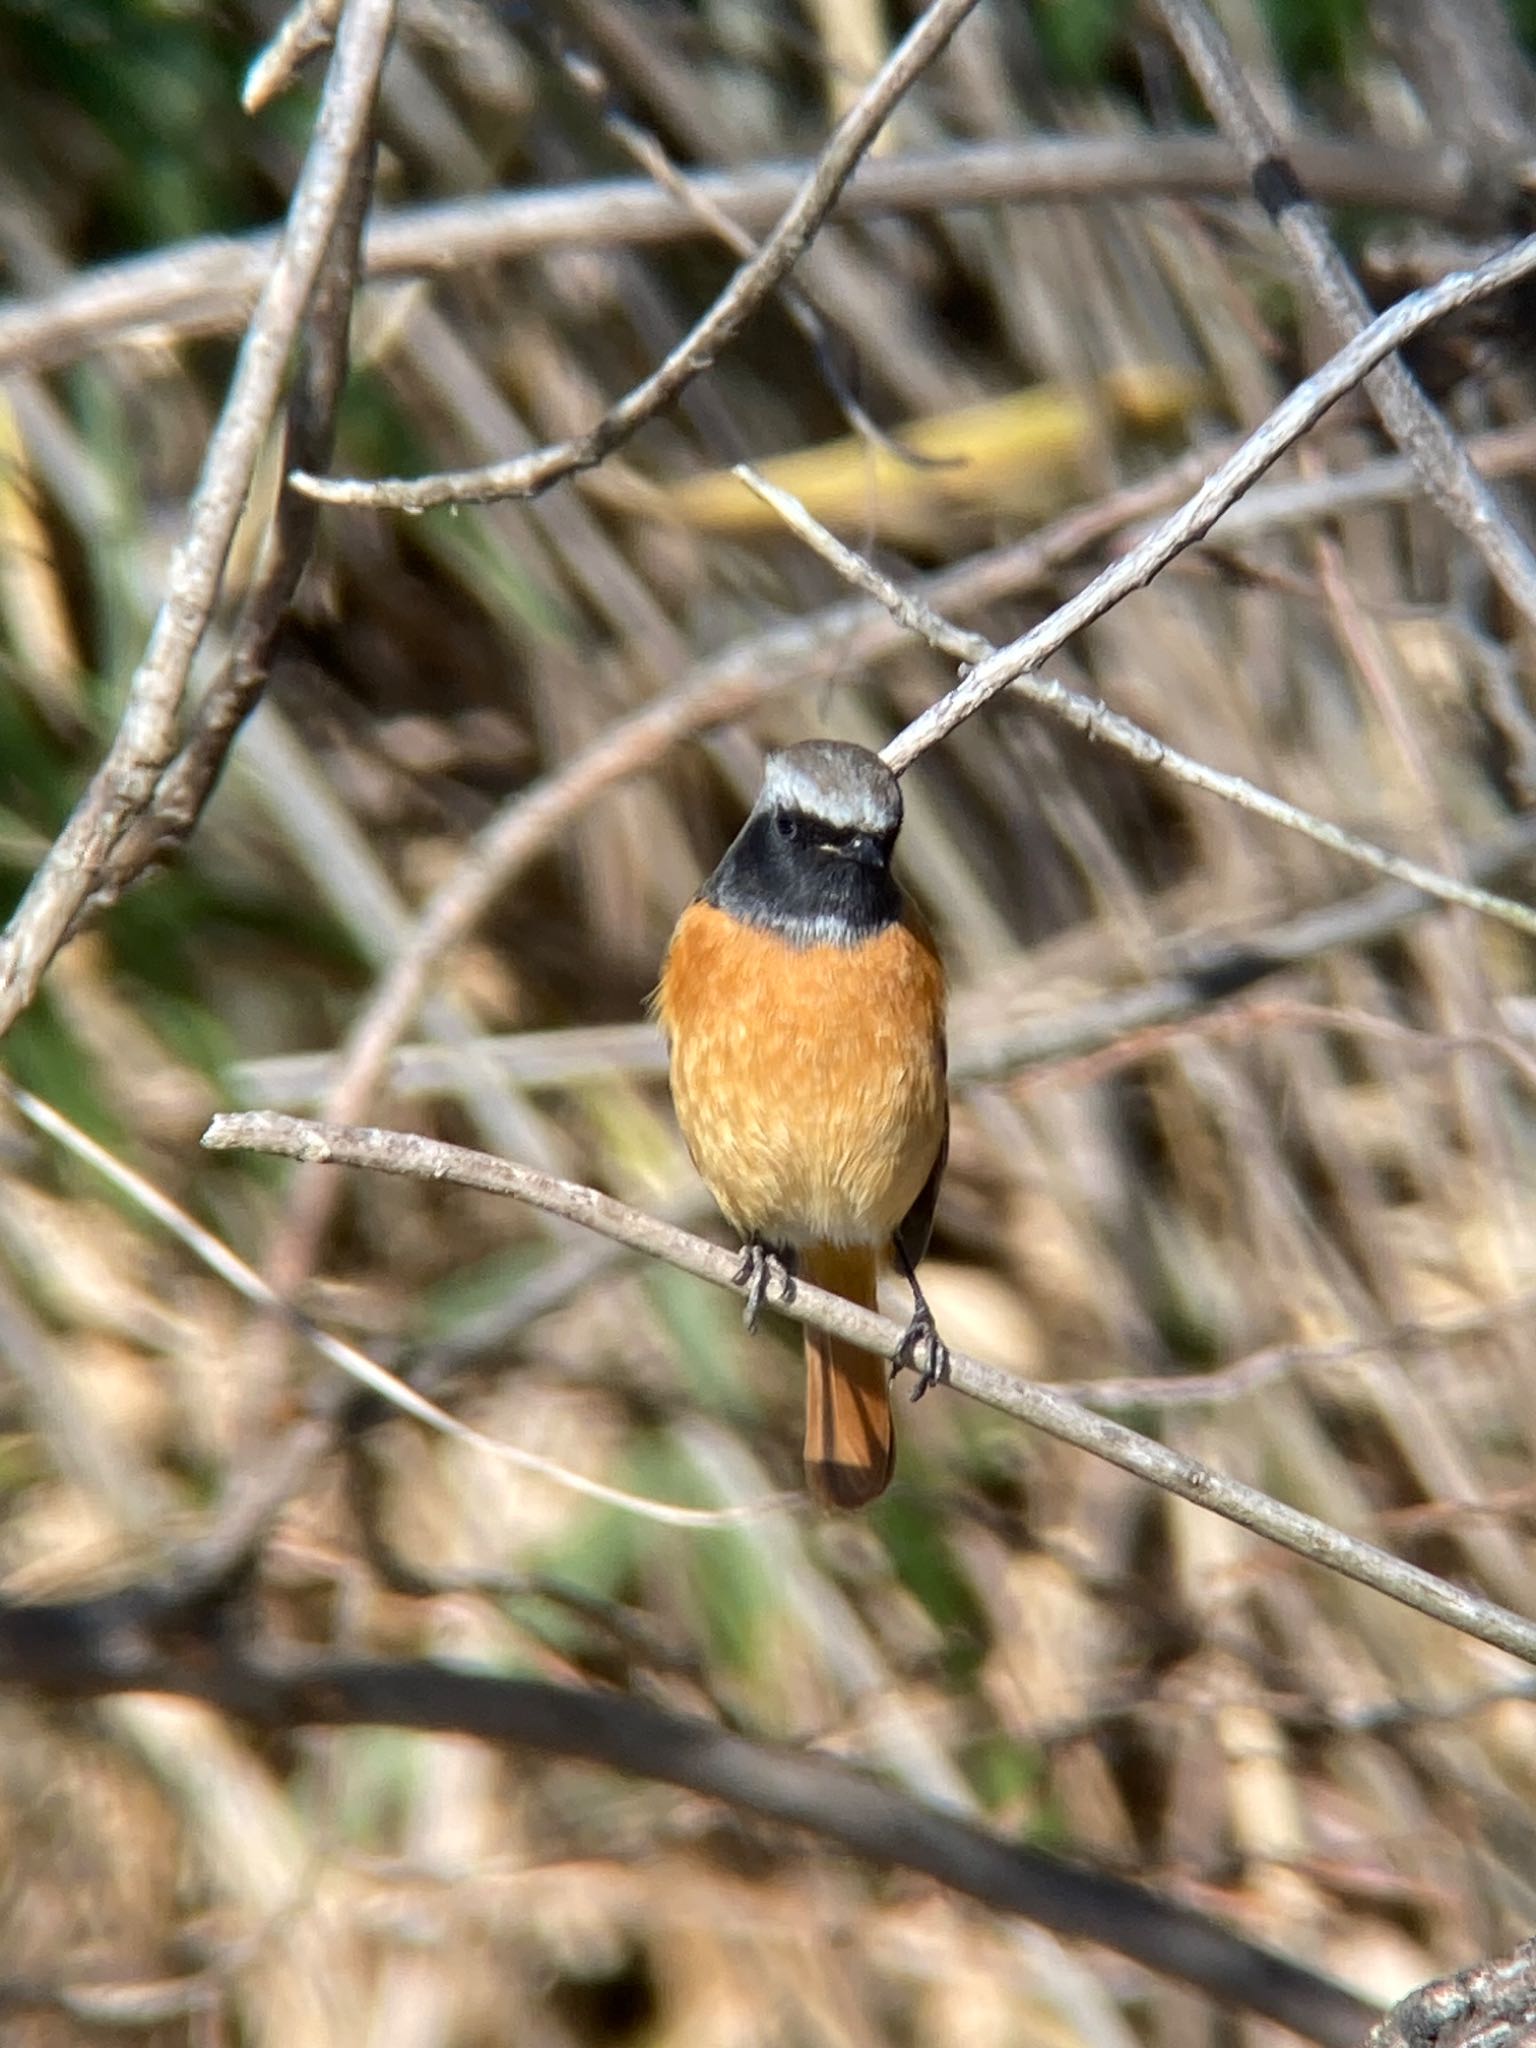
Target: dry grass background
column 1298, row 1218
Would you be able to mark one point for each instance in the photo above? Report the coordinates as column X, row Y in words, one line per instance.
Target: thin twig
column 423, row 1159
column 248, row 1283
column 563, row 1058
column 1507, row 451
column 782, row 249
column 646, row 149
column 1089, row 716
column 914, row 612
column 1245, row 1377
column 125, row 782
column 1244, row 1020
column 210, row 286
column 1285, row 425
column 1408, row 415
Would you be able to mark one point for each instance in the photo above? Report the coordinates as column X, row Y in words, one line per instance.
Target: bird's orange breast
column 809, row 1082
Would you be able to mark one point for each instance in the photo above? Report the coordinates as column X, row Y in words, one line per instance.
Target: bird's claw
column 760, row 1266
column 923, row 1351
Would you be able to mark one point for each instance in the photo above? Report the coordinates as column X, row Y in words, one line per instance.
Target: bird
column 802, row 999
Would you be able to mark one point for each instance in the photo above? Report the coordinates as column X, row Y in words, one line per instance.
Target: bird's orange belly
column 809, row 1084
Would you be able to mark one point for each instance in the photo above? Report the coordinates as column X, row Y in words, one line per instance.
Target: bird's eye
column 784, row 825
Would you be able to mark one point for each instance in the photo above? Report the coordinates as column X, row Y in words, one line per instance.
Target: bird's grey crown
column 847, row 786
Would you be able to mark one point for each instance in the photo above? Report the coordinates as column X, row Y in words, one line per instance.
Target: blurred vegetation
column 1091, row 1667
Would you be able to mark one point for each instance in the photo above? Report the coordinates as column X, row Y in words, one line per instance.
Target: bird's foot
column 922, row 1350
column 761, row 1265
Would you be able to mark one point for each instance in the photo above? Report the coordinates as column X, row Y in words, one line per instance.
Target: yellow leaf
column 1022, row 454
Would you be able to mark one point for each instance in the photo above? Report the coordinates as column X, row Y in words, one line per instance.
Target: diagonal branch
column 1226, row 484
column 134, row 1642
column 1057, row 1414
column 309, row 434
column 124, row 785
column 1413, row 421
column 646, row 149
column 526, row 475
column 1088, row 715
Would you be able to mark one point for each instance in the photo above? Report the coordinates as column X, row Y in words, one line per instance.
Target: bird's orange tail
column 850, row 1439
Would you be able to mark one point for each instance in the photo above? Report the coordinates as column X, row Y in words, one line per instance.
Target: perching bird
column 803, row 1003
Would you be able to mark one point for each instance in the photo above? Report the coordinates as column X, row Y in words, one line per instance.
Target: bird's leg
column 761, row 1264
column 921, row 1347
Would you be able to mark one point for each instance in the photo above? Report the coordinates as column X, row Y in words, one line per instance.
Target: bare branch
column 1492, row 2005
column 309, row 433
column 207, row 287
column 1245, row 1376
column 646, row 149
column 306, row 30
column 125, row 782
column 357, row 1365
column 1408, row 415
column 1089, row 716
column 1285, row 425
column 131, row 1642
column 1216, row 973
column 1504, row 452
column 529, row 474
column 1059, row 1416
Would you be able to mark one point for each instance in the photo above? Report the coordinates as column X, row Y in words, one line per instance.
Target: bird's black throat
column 806, row 881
